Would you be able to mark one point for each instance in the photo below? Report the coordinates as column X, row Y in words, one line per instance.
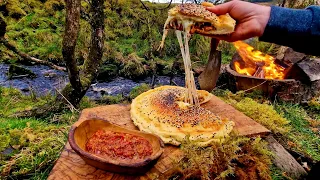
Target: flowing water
column 49, row 81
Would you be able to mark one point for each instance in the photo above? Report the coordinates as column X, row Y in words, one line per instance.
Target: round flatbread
column 162, row 111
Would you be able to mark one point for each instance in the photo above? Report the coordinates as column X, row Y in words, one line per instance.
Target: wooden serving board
column 71, row 166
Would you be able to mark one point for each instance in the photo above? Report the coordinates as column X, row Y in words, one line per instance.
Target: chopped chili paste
column 117, row 145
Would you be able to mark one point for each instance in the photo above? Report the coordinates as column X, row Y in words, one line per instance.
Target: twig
column 67, row 100
column 144, row 5
column 255, row 86
column 217, row 87
column 165, row 7
column 175, row 83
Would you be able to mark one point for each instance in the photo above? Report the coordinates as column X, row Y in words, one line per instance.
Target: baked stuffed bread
column 194, row 18
column 163, row 112
column 199, row 20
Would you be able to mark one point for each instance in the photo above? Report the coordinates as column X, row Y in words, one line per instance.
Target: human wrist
column 264, row 19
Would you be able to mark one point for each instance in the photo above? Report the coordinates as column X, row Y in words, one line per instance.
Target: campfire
column 257, row 64
column 294, row 77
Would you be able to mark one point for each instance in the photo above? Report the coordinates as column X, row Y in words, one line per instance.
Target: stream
column 48, row 80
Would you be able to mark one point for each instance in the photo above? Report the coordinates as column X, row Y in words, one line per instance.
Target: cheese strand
column 191, row 95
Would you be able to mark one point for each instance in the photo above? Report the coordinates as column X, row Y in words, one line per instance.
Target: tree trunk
column 81, row 81
column 68, row 50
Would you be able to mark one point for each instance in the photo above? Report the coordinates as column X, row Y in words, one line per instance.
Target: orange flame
column 256, row 63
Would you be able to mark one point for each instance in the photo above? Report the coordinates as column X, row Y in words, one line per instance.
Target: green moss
column 34, row 149
column 14, row 8
column 227, row 160
column 262, row 113
column 29, row 147
column 118, row 99
column 291, row 122
column 136, row 91
column 314, row 104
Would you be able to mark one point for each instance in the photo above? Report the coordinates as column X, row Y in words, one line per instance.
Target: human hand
column 251, row 19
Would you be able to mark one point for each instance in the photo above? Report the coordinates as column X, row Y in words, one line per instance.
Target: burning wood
column 257, row 64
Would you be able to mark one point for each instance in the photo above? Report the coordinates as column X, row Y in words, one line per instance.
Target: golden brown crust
column 196, row 11
column 205, row 22
column 161, row 111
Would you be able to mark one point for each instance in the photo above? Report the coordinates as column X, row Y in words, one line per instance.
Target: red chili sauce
column 118, row 145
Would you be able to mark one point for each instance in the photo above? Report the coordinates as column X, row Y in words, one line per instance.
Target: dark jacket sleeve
column 296, row 28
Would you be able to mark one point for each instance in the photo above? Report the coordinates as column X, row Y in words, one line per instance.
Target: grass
column 289, row 121
column 303, row 136
column 277, row 174
column 35, row 145
column 12, row 100
column 29, row 146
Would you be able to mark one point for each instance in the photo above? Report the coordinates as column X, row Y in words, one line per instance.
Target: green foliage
column 227, row 51
column 39, row 28
column 314, row 104
column 300, row 4
column 302, row 137
column 133, row 67
column 29, row 147
column 14, row 8
column 227, row 160
column 263, row 113
column 277, row 174
column 136, row 91
column 265, row 47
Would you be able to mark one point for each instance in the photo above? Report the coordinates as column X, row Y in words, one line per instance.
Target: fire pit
column 294, row 81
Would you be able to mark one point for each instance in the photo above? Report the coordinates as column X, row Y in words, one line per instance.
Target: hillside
column 133, row 34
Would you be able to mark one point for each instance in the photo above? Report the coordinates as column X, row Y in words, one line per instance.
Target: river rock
column 19, row 72
column 49, row 74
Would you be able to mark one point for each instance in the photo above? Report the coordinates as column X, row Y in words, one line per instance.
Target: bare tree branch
column 25, row 56
column 167, row 6
column 92, row 65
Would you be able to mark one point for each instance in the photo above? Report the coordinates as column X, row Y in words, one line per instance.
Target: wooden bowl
column 81, row 131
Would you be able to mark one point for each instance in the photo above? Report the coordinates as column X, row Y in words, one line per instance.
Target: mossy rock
column 18, row 72
column 108, row 72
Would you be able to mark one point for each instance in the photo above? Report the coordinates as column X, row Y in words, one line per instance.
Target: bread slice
column 194, row 18
column 197, row 19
